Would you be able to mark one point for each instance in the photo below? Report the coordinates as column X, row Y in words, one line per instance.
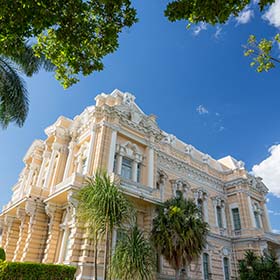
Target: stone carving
column 128, row 99
column 218, row 201
column 179, row 185
column 130, row 150
column 161, row 179
column 200, row 195
column 257, row 184
column 169, row 139
column 188, row 149
column 240, row 165
column 166, row 162
column 205, row 158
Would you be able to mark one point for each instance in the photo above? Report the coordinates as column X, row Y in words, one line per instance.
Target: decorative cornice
column 168, row 162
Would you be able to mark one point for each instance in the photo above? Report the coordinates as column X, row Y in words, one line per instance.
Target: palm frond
column 13, row 95
column 133, row 257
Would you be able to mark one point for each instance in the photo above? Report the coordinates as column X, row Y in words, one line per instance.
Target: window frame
column 226, row 269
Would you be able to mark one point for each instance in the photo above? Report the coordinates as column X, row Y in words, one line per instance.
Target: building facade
column 39, row 223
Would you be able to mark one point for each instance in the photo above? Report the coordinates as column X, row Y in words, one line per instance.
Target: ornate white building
column 39, row 223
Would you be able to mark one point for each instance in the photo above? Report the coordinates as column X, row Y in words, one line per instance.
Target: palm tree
column 178, row 233
column 103, row 206
column 254, row 267
column 133, row 257
column 13, row 93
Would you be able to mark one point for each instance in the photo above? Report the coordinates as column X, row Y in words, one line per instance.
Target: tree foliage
column 13, row 93
column 262, row 52
column 259, row 268
column 134, row 257
column 219, row 12
column 179, row 233
column 208, row 11
column 74, row 35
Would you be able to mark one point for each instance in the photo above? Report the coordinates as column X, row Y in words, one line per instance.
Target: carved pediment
column 180, row 185
column 257, row 184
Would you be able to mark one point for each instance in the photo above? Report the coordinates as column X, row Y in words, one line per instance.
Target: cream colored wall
column 36, row 234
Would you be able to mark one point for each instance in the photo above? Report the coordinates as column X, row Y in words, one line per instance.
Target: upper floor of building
column 115, row 135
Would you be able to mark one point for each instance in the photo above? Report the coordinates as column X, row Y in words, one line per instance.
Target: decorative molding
column 184, row 170
column 180, row 185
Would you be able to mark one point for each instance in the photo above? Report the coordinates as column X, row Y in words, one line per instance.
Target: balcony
column 137, row 189
column 21, row 192
column 76, row 180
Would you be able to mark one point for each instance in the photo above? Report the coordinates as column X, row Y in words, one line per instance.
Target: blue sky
column 196, row 81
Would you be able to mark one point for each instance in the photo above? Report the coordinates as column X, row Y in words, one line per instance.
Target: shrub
column 35, row 271
column 2, row 254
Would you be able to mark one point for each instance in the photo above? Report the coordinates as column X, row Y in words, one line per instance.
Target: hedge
column 35, row 271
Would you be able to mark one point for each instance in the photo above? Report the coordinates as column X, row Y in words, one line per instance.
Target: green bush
column 2, row 254
column 35, row 271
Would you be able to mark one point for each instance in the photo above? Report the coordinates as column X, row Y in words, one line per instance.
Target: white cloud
column 276, row 231
column 218, row 32
column 272, row 212
column 269, row 170
column 244, row 16
column 202, row 110
column 272, row 15
column 200, row 27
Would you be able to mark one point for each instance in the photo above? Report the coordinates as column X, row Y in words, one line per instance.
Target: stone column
column 52, row 243
column 119, row 164
column 269, row 229
column 29, row 179
column 150, row 167
column 21, row 215
column 9, row 246
column 90, row 153
column 224, row 216
column 37, row 232
column 112, row 152
column 253, row 223
column 74, row 238
column 134, row 170
column 55, row 148
column 57, row 175
column 69, row 161
column 205, row 208
column 46, row 156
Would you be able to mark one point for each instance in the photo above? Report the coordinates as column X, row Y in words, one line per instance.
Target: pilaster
column 23, row 228
column 52, row 244
column 151, row 166
column 37, row 232
column 12, row 228
column 112, row 152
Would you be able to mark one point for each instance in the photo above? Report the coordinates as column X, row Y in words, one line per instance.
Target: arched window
column 206, row 266
column 226, row 268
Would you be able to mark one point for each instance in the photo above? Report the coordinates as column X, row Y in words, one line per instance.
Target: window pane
column 126, row 168
column 219, row 216
column 226, row 268
column 206, row 266
column 236, row 219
